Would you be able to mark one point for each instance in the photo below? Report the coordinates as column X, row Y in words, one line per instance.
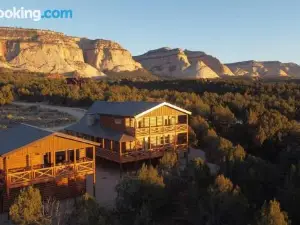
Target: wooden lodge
column 34, row 156
column 132, row 131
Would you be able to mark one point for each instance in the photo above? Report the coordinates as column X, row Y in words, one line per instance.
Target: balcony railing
column 161, row 129
column 33, row 176
column 136, row 155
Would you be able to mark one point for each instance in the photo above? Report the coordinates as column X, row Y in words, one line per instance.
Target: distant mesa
column 55, row 53
column 186, row 64
column 49, row 52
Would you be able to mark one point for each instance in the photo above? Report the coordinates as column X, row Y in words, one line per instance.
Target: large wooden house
column 34, row 156
column 132, row 131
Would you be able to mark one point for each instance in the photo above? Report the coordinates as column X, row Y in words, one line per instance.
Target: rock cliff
column 265, row 69
column 176, row 63
column 52, row 52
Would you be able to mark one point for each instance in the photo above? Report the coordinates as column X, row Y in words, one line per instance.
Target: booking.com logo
column 35, row 14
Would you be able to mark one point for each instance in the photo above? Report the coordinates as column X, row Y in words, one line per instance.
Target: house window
column 166, row 120
column 131, row 122
column 162, row 140
column 159, row 121
column 167, row 139
column 146, row 122
column 118, row 121
column 153, row 141
column 172, row 120
column 140, row 123
column 153, row 121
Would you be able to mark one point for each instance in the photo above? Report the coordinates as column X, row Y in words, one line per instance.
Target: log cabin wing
column 132, row 131
column 30, row 155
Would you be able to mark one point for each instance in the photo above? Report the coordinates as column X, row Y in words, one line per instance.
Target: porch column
column 94, row 174
column 103, row 143
column 120, row 160
column 6, row 178
column 54, row 162
column 111, row 145
column 75, row 150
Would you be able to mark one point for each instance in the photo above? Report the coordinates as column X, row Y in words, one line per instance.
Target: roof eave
column 160, row 105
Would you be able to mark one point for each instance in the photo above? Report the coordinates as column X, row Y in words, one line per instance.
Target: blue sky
column 232, row 30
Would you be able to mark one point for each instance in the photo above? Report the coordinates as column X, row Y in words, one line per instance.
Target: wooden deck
column 161, row 129
column 138, row 155
column 24, row 177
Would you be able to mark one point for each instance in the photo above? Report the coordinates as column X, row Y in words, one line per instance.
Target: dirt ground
column 33, row 115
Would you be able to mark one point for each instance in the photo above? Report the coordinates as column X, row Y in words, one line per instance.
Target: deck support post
column 94, row 174
column 120, row 159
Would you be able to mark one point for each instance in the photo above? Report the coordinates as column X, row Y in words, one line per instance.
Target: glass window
column 153, row 121
column 166, row 120
column 140, row 123
column 118, row 121
column 127, row 122
column 162, row 140
column 159, row 121
column 146, row 122
column 167, row 139
column 131, row 122
column 173, row 120
column 153, row 141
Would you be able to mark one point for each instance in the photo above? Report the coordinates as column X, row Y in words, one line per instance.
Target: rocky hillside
column 184, row 64
column 52, row 52
column 265, row 69
column 49, row 52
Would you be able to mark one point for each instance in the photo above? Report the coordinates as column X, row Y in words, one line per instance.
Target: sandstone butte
column 50, row 52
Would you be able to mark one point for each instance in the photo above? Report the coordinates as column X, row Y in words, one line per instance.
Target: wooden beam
column 94, row 174
column 120, row 148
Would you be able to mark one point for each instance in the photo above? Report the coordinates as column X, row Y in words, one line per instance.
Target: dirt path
column 77, row 113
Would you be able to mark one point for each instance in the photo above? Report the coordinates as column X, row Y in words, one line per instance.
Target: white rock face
column 178, row 63
column 108, row 55
column 265, row 69
column 212, row 62
column 51, row 52
column 165, row 62
column 200, row 70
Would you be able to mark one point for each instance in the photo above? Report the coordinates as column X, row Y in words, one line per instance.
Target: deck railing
column 136, row 155
column 33, row 176
column 161, row 129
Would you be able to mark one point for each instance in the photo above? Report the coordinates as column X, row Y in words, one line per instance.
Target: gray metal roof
column 97, row 131
column 121, row 108
column 20, row 135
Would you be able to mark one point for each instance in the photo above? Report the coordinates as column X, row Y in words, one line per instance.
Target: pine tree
column 271, row 214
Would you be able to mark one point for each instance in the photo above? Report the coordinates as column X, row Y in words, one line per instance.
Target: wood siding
column 34, row 152
column 110, row 122
column 164, row 111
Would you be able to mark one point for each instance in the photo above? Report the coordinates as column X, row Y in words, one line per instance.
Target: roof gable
column 132, row 109
column 21, row 135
